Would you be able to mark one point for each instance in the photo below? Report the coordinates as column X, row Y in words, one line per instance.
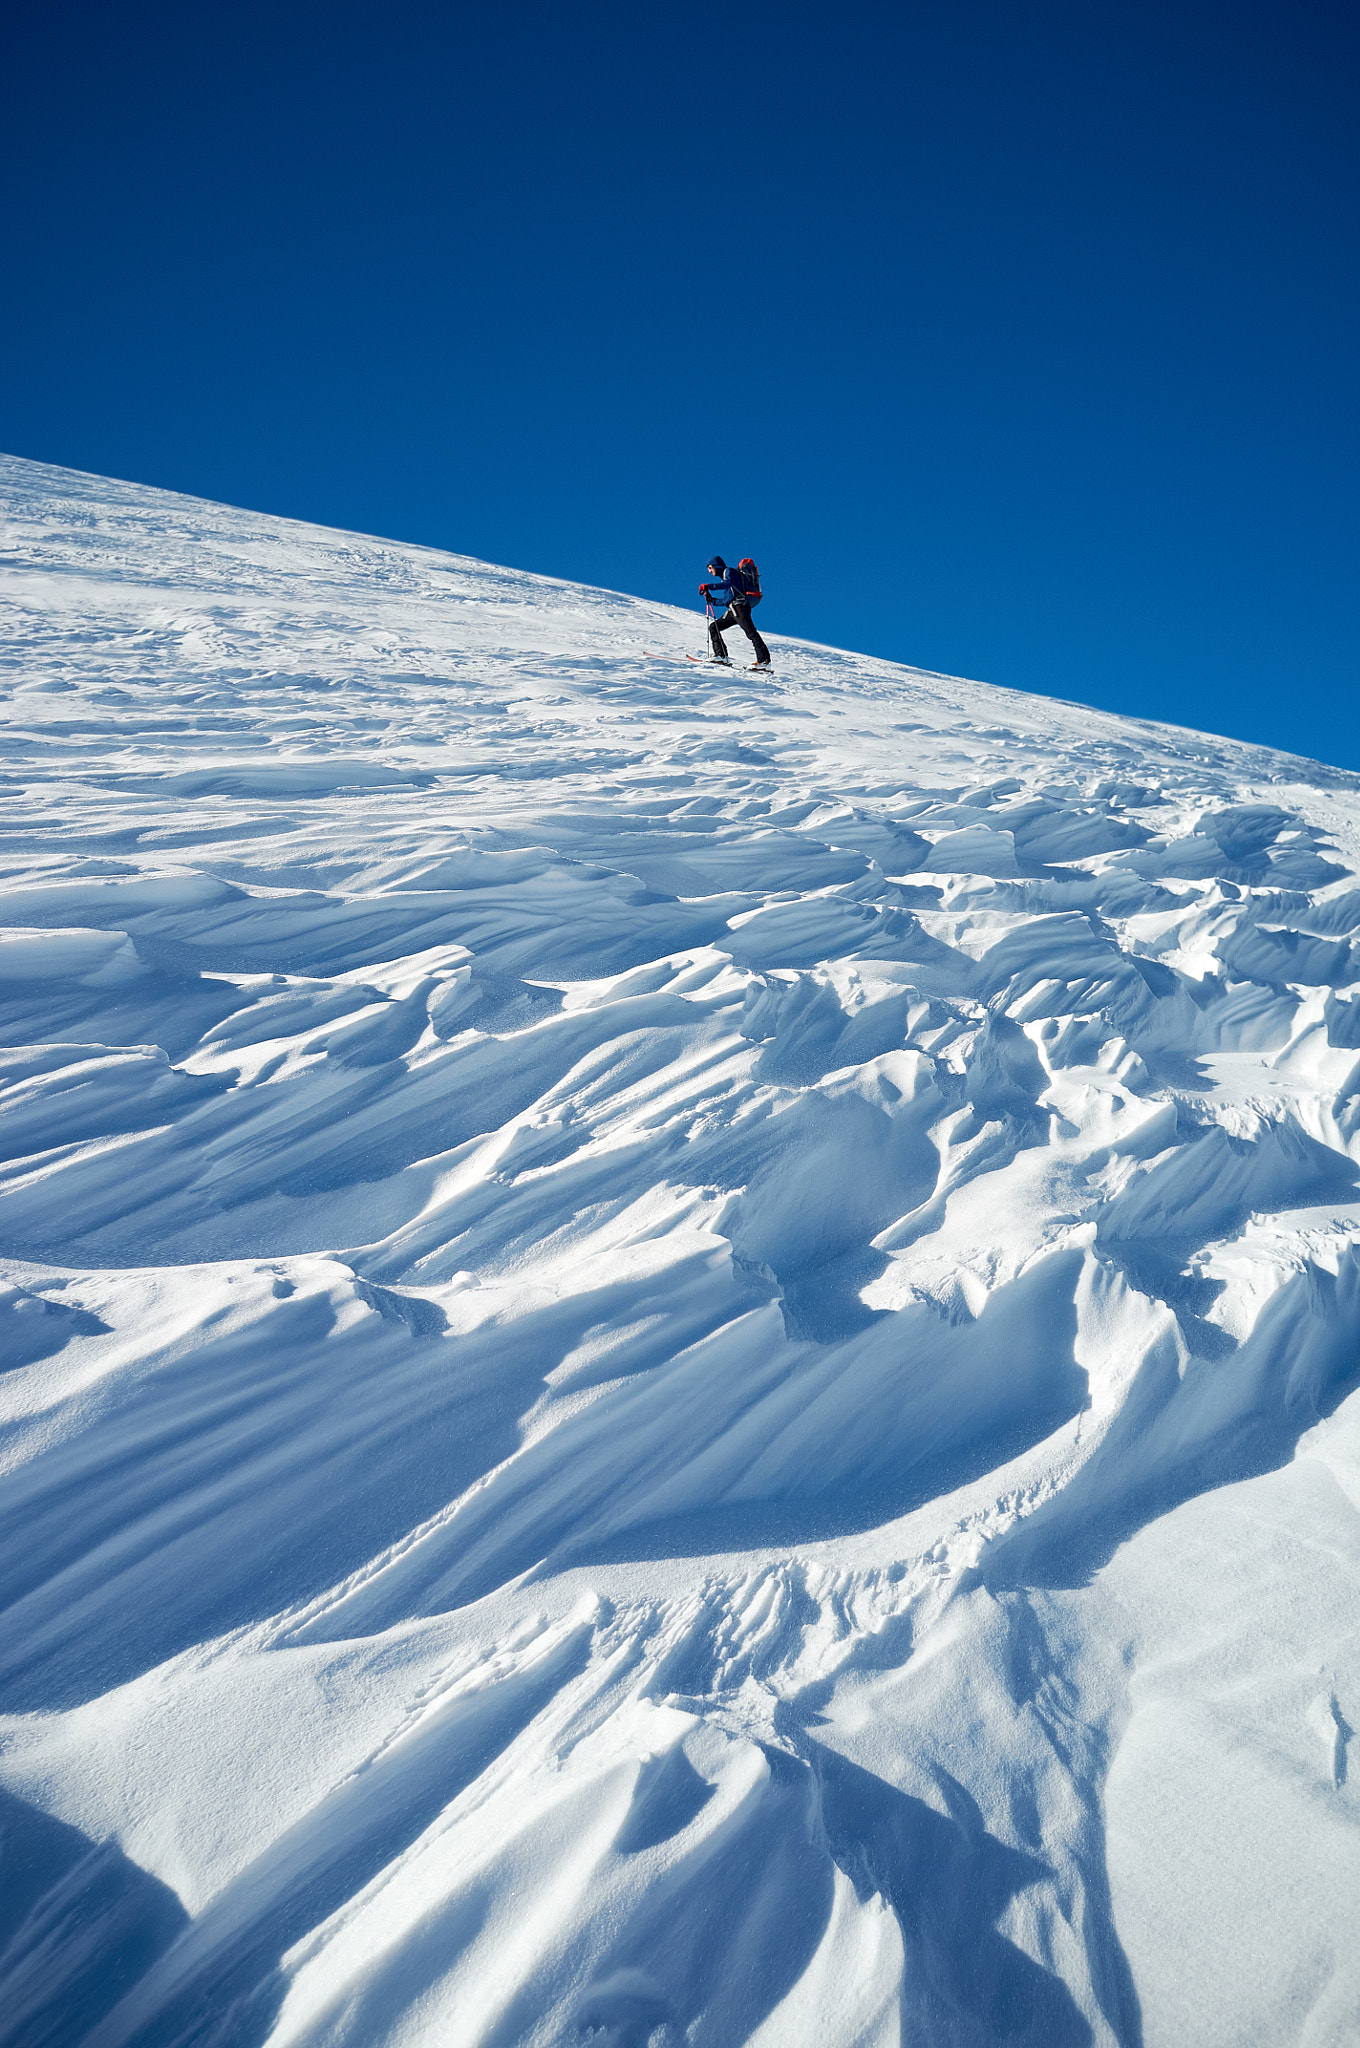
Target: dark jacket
column 733, row 590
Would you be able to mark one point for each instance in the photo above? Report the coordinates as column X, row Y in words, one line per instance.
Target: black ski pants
column 738, row 613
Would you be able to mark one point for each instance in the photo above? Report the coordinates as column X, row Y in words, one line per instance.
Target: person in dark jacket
column 729, row 589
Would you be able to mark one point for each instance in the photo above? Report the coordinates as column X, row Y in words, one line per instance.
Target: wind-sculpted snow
column 679, row 1345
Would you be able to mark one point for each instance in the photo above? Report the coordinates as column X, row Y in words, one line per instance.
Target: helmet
column 718, row 566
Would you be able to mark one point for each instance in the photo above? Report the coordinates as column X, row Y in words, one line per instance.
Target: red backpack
column 750, row 577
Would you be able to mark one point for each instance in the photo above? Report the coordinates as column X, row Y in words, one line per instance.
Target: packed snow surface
column 677, row 1342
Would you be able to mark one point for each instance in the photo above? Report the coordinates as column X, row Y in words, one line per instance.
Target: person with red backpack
column 739, row 590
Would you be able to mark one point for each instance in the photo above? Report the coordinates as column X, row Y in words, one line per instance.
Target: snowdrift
column 679, row 1347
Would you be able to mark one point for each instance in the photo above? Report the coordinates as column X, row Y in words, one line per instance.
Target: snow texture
column 679, row 1346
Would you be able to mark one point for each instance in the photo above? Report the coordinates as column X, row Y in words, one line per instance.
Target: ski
column 761, row 668
column 750, row 668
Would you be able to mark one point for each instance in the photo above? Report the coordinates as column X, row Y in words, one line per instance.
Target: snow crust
column 678, row 1345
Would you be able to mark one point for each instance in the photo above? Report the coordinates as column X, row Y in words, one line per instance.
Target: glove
column 703, row 590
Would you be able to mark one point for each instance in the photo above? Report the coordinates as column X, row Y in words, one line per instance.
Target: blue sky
column 1014, row 340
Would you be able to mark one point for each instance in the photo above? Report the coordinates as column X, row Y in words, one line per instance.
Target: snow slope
column 679, row 1346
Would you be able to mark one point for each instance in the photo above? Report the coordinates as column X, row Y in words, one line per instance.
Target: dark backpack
column 750, row 577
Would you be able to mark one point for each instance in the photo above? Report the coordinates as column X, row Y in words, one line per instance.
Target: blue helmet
column 718, row 566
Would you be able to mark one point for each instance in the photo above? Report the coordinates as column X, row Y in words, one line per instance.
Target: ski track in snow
column 677, row 1343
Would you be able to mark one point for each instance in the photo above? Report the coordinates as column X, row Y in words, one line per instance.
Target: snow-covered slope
column 677, row 1342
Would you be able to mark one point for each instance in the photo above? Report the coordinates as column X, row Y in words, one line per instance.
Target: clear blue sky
column 1015, row 338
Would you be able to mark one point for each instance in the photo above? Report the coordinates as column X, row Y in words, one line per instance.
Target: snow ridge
column 679, row 1346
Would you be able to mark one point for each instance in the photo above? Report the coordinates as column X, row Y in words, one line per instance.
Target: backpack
column 750, row 577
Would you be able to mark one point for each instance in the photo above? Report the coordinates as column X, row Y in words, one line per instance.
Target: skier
column 739, row 590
